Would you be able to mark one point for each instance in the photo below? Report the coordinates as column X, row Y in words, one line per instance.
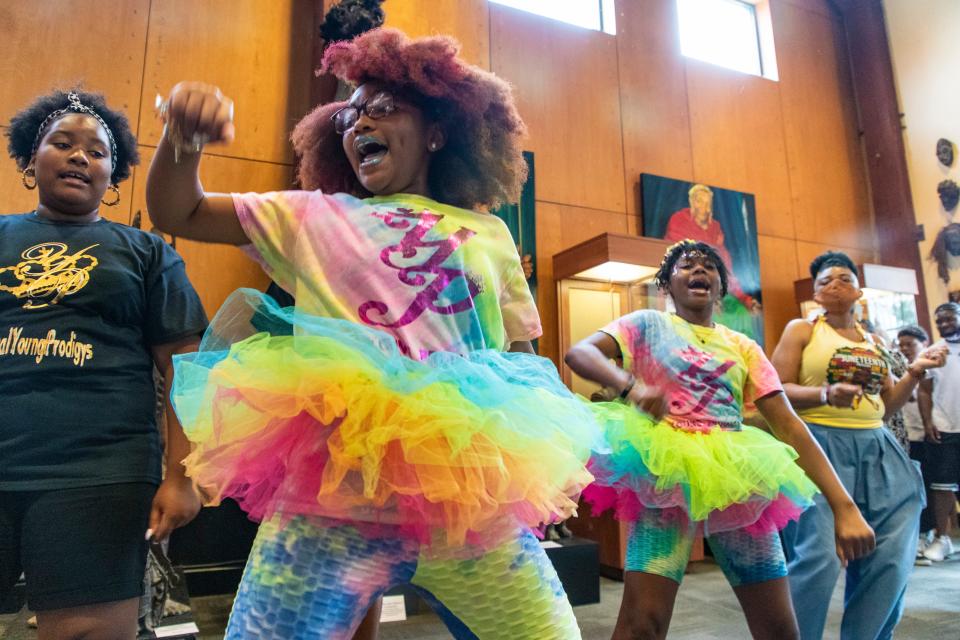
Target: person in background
column 897, row 363
column 88, row 307
column 911, row 340
column 939, row 400
column 840, row 384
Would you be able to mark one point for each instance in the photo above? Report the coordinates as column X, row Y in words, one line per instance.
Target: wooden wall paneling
column 881, row 121
column 567, row 89
column 807, row 251
column 778, row 271
column 16, row 199
column 653, row 95
column 830, row 199
column 466, row 20
column 560, row 227
column 217, row 270
column 60, row 43
column 737, row 132
column 258, row 53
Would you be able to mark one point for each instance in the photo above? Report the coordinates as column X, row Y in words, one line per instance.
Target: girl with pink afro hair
column 394, row 426
column 481, row 164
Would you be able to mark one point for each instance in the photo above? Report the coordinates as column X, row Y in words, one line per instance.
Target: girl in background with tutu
column 683, row 459
column 379, row 428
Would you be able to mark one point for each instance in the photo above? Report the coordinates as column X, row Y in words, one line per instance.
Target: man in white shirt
column 939, row 401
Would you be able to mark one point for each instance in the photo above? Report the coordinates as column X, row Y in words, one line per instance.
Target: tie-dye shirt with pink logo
column 707, row 374
column 436, row 277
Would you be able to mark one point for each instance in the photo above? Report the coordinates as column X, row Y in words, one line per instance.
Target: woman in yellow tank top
column 839, row 383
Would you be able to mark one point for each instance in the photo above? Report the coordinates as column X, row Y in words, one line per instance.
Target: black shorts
column 76, row 546
column 944, row 462
column 918, row 453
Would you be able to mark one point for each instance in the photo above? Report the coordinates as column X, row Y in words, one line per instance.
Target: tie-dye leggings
column 662, row 546
column 307, row 579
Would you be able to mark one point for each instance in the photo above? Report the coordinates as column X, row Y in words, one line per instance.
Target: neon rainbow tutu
column 300, row 414
column 726, row 479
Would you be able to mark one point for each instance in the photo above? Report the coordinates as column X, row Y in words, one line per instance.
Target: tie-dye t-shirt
column 707, row 374
column 436, row 277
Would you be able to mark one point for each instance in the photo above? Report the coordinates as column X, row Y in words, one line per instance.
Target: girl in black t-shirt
column 87, row 308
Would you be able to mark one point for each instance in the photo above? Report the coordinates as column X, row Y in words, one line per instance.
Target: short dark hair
column 914, row 331
column 675, row 251
column 831, row 259
column 949, row 306
column 25, row 125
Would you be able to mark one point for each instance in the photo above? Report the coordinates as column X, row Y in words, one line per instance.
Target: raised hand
column 931, row 358
column 197, row 113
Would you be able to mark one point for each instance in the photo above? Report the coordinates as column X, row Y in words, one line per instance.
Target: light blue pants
column 887, row 488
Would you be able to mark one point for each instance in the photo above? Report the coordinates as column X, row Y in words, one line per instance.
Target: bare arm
column 895, row 395
column 176, row 502
column 591, row 359
column 176, row 201
column 854, row 537
column 925, row 404
column 786, row 360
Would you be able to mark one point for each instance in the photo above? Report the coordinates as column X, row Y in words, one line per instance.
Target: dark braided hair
column 676, row 251
column 831, row 259
column 25, row 124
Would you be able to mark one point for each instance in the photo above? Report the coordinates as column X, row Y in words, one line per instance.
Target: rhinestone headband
column 75, row 106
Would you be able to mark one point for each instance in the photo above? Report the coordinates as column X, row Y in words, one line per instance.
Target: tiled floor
column 706, row 610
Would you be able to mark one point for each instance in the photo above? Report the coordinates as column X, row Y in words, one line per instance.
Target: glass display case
column 597, row 282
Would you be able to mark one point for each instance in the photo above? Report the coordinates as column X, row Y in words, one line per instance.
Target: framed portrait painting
column 677, row 210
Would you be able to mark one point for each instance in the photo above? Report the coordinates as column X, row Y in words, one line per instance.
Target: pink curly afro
column 481, row 164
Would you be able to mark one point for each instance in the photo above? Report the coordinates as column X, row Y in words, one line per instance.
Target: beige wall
column 925, row 47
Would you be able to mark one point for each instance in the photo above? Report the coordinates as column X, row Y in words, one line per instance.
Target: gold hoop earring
column 115, row 201
column 25, row 175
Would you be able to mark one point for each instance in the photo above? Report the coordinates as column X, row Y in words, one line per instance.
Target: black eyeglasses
column 379, row 106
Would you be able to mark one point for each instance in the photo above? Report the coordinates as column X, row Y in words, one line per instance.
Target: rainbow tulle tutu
column 299, row 414
column 726, row 479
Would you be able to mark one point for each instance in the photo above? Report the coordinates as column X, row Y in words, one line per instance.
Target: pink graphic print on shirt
column 429, row 272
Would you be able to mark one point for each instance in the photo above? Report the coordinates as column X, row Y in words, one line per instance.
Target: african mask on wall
column 945, row 152
column 945, row 246
column 949, row 194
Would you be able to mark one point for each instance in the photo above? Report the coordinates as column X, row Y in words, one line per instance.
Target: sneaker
column 920, row 561
column 922, row 545
column 939, row 549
